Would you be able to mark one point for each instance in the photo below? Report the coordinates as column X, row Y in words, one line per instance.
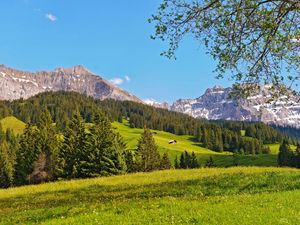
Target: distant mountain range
column 214, row 104
column 17, row 84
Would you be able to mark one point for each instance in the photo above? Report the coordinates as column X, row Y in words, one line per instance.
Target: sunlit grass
column 12, row 123
column 249, row 195
column 187, row 143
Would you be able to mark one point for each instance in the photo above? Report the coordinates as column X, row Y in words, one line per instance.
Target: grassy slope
column 162, row 139
column 13, row 123
column 203, row 196
column 131, row 136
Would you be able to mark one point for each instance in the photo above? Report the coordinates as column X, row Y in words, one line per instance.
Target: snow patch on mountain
column 215, row 104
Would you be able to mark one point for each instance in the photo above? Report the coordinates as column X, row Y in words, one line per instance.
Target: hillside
column 203, row 196
column 12, row 123
column 184, row 143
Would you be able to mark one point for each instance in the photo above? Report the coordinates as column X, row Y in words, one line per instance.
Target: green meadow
column 236, row 195
column 187, row 143
column 13, row 123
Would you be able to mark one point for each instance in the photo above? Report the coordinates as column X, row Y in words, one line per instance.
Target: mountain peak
column 79, row 69
column 15, row 84
column 215, row 104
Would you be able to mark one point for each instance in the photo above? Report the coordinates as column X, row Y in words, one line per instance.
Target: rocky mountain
column 215, row 104
column 156, row 104
column 15, row 84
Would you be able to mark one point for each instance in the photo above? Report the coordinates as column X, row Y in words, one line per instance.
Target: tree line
column 288, row 157
column 43, row 153
column 215, row 135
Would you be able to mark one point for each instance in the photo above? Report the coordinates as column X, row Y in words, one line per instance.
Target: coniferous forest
column 70, row 136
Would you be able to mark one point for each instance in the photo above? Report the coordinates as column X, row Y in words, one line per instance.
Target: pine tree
column 182, row 161
column 210, row 163
column 165, row 163
column 118, row 154
column 194, row 161
column 6, row 165
column 176, row 163
column 108, row 149
column 73, row 149
column 297, row 157
column 147, row 154
column 130, row 163
column 49, row 147
column 199, row 134
column 285, row 154
column 187, row 158
column 27, row 153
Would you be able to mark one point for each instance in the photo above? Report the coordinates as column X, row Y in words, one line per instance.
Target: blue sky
column 110, row 38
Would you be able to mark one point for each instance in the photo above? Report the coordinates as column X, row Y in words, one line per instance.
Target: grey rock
column 16, row 84
column 215, row 104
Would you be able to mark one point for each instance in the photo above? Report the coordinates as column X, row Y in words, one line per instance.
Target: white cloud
column 127, row 78
column 51, row 17
column 117, row 81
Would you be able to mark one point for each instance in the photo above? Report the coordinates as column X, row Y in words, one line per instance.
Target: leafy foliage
column 256, row 40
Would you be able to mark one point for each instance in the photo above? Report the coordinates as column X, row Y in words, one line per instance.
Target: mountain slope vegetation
column 69, row 136
column 185, row 143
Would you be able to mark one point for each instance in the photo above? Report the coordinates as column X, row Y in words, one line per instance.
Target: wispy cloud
column 116, row 81
column 127, row 78
column 51, row 17
column 119, row 81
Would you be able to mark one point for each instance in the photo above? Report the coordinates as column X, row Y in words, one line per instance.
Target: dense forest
column 43, row 153
column 69, row 135
column 215, row 135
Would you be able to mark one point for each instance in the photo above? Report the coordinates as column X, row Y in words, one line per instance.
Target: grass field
column 236, row 195
column 13, row 123
column 186, row 143
column 204, row 196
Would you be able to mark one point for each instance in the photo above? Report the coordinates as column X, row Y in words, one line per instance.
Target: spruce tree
column 49, row 147
column 6, row 165
column 108, row 149
column 297, row 157
column 194, row 161
column 27, row 153
column 73, row 148
column 187, row 158
column 285, row 154
column 130, row 163
column 210, row 163
column 176, row 163
column 182, row 161
column 147, row 155
column 165, row 163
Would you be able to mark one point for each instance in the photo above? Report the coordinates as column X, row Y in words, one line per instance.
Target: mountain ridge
column 18, row 84
column 215, row 104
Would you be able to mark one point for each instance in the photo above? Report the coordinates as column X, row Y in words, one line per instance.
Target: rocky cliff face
column 215, row 105
column 15, row 84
